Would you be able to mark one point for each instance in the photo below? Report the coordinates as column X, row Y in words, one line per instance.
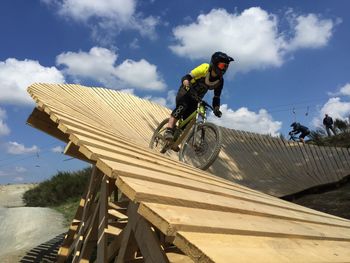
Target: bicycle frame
column 192, row 121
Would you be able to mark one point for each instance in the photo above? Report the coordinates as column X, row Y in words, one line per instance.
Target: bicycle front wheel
column 202, row 147
column 157, row 141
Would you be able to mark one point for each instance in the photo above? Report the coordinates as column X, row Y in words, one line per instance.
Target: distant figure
column 328, row 123
column 298, row 128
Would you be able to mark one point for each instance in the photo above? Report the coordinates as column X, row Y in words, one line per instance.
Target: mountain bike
column 293, row 137
column 200, row 140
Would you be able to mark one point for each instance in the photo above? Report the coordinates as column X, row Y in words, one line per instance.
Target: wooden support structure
column 141, row 206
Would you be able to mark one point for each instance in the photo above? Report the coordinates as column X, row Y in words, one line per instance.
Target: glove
column 217, row 112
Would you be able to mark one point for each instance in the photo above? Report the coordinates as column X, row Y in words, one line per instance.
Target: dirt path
column 22, row 228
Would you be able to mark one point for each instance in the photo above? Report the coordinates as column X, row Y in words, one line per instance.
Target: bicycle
column 293, row 137
column 201, row 141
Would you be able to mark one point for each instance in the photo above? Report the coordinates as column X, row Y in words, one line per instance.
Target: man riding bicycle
column 298, row 128
column 194, row 87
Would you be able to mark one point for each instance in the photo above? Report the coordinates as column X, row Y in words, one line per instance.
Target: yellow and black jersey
column 202, row 81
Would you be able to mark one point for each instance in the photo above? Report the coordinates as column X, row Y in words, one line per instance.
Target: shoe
column 169, row 134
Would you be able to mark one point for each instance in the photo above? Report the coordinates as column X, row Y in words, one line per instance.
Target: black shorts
column 185, row 104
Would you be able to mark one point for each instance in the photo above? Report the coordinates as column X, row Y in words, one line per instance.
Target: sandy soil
column 23, row 228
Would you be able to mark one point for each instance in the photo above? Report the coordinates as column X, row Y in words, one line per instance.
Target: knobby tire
column 214, row 149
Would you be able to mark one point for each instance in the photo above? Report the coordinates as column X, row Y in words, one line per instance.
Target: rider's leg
column 182, row 103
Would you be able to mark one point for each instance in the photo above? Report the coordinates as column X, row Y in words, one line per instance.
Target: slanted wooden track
column 141, row 206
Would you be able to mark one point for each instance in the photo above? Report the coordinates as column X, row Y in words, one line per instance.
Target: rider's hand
column 186, row 84
column 217, row 112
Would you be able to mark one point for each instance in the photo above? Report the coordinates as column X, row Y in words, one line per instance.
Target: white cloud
column 336, row 108
column 20, row 169
column 17, row 148
column 3, row 174
column 251, row 37
column 106, row 18
column 118, row 10
column 139, row 74
column 169, row 101
column 57, row 149
column 311, row 32
column 16, row 76
column 18, row 179
column 99, row 65
column 4, row 129
column 243, row 119
column 345, row 90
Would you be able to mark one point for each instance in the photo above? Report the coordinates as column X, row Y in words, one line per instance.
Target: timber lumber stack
column 141, row 206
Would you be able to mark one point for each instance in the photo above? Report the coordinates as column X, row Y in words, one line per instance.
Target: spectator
column 328, row 123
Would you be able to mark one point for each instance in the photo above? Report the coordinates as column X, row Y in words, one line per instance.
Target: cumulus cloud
column 20, row 169
column 345, row 90
column 18, row 179
column 139, row 74
column 251, row 37
column 4, row 129
column 106, row 18
column 169, row 101
column 243, row 119
column 57, row 149
column 99, row 64
column 311, row 32
column 16, row 76
column 17, row 148
column 336, row 108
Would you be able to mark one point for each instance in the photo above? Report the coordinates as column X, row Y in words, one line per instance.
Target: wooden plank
column 41, row 121
column 103, row 222
column 72, row 150
column 143, row 191
column 186, row 181
column 171, row 219
column 218, row 248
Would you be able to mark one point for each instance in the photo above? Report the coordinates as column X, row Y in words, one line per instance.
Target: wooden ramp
column 141, row 206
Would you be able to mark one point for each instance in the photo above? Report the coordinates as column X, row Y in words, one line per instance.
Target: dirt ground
column 23, row 228
column 335, row 202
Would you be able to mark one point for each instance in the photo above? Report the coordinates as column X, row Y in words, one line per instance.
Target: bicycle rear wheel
column 157, row 141
column 205, row 150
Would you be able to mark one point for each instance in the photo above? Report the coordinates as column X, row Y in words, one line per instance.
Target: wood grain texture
column 229, row 213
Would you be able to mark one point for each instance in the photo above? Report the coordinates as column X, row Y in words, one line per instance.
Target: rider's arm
column 217, row 94
column 186, row 80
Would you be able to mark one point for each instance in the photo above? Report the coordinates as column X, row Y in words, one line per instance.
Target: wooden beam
column 40, row 120
column 72, row 150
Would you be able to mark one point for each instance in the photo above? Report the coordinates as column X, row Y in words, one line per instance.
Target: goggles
column 222, row 66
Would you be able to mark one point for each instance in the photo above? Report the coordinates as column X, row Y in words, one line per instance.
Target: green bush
column 62, row 186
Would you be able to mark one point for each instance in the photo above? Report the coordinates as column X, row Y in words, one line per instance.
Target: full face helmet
column 295, row 124
column 219, row 62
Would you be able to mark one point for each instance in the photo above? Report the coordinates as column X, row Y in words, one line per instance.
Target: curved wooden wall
column 170, row 203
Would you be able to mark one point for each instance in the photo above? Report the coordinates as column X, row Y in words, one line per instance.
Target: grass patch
column 68, row 209
column 62, row 192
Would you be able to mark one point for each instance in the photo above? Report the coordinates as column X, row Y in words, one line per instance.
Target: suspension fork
column 200, row 112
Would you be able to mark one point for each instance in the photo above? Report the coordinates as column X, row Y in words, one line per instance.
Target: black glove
column 217, row 112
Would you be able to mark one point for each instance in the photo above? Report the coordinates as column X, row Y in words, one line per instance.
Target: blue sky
column 292, row 62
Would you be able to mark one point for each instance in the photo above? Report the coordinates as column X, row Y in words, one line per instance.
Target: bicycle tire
column 157, row 135
column 214, row 149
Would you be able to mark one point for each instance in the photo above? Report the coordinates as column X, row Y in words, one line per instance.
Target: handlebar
column 206, row 104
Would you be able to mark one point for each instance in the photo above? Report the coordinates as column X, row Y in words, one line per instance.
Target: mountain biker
column 298, row 128
column 195, row 85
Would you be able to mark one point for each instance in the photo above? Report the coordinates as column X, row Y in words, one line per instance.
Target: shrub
column 62, row 186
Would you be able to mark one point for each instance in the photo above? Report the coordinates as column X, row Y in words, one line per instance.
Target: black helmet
column 294, row 124
column 219, row 62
